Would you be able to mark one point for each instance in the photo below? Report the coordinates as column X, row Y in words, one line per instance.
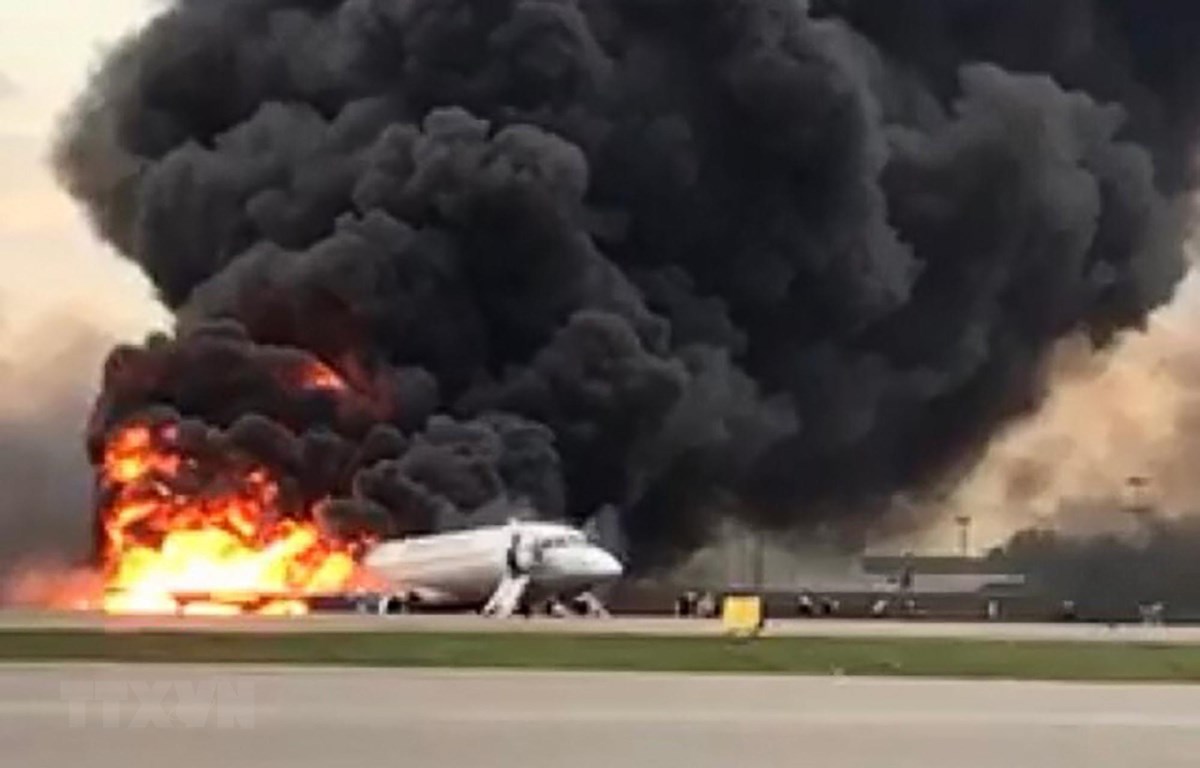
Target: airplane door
column 523, row 555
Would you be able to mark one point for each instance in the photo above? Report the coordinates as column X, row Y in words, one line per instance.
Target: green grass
column 916, row 657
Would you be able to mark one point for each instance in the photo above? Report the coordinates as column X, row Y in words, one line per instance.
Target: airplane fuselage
column 464, row 568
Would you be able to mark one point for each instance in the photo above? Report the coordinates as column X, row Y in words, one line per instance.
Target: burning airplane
column 765, row 259
column 175, row 526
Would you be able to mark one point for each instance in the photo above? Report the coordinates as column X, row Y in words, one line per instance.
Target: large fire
column 182, row 537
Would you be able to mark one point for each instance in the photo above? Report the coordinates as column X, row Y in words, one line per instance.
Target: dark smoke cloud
column 673, row 255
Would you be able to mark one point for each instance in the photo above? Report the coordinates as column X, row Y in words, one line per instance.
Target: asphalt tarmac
column 186, row 717
column 862, row 628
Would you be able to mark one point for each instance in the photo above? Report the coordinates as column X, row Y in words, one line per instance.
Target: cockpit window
column 557, row 542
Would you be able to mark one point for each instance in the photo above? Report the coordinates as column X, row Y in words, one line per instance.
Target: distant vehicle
column 500, row 569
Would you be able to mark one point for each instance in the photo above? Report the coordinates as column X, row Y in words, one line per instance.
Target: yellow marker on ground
column 742, row 615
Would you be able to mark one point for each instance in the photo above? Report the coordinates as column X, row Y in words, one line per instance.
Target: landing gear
column 559, row 610
column 391, row 604
column 591, row 606
column 582, row 604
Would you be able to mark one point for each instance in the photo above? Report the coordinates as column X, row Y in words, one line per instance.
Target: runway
column 188, row 717
column 864, row 628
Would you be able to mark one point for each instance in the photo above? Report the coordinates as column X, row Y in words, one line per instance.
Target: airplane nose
column 604, row 565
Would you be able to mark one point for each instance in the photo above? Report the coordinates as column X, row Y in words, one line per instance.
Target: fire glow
column 221, row 547
column 320, row 377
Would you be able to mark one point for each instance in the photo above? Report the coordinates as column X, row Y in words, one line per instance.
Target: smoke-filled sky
column 724, row 250
column 1127, row 415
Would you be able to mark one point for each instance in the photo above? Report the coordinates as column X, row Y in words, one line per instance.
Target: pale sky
column 54, row 269
column 64, row 297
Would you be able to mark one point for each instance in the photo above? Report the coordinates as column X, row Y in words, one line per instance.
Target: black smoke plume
column 681, row 256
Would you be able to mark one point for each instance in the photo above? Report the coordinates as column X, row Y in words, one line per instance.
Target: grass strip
column 780, row 655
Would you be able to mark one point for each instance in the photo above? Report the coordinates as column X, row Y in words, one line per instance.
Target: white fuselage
column 466, row 567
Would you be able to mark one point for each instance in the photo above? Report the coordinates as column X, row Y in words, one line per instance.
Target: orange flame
column 224, row 550
column 321, row 377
